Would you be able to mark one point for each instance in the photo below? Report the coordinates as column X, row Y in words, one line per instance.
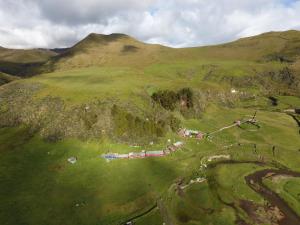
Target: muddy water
column 254, row 180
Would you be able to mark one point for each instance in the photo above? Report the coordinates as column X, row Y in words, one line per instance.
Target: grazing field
column 94, row 191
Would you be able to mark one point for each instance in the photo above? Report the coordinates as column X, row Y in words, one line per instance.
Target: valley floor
column 39, row 186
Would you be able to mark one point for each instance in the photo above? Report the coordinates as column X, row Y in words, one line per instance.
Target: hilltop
column 113, row 49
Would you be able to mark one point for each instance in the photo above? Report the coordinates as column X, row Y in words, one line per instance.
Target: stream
column 255, row 181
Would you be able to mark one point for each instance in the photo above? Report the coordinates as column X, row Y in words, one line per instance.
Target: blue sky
column 176, row 23
column 288, row 2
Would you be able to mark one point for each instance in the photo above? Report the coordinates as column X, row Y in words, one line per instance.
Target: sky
column 175, row 23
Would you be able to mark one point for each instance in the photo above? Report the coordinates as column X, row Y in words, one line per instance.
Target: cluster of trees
column 170, row 99
column 128, row 126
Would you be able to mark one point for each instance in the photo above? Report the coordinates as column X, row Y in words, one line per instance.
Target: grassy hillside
column 114, row 49
column 22, row 62
column 5, row 78
column 25, row 55
column 112, row 93
column 122, row 50
column 272, row 46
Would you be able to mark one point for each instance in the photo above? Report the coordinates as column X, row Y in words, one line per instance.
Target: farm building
column 200, row 135
column 110, row 156
column 190, row 133
column 171, row 148
column 133, row 155
column 123, row 156
column 181, row 132
column 167, row 151
column 178, row 144
column 155, row 153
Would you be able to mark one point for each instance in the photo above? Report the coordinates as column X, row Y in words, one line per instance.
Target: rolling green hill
column 114, row 49
column 23, row 62
column 113, row 93
column 120, row 49
column 5, row 78
column 25, row 55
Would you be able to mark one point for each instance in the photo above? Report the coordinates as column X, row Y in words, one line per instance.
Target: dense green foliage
column 170, row 99
column 130, row 127
column 166, row 99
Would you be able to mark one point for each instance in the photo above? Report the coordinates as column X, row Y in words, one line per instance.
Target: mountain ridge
column 124, row 50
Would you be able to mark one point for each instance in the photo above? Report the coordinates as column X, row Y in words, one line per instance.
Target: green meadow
column 43, row 188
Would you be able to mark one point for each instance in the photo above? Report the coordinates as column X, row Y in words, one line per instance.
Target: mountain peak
column 102, row 39
column 107, row 37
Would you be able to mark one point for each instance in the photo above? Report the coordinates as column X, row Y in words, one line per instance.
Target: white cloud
column 56, row 23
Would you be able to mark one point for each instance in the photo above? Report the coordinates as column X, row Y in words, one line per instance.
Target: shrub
column 169, row 99
column 186, row 95
column 129, row 126
column 166, row 99
column 174, row 123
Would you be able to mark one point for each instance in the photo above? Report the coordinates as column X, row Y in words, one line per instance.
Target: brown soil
column 262, row 214
column 278, row 210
